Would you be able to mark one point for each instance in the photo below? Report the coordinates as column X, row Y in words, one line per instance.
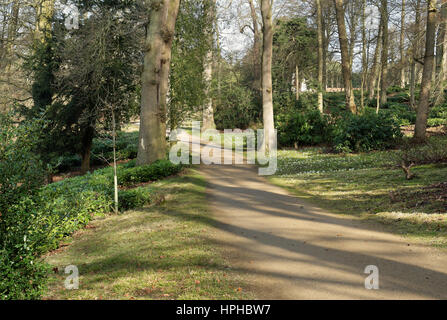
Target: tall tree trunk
column 374, row 75
column 158, row 44
column 384, row 59
column 267, row 89
column 45, row 12
column 415, row 52
column 353, row 19
column 364, row 58
column 12, row 27
column 297, row 82
column 402, row 46
column 256, row 48
column 378, row 95
column 443, row 64
column 320, row 55
column 325, row 50
column 208, row 112
column 345, row 61
column 429, row 59
column 217, row 60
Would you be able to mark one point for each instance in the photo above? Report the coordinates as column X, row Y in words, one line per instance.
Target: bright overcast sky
column 234, row 14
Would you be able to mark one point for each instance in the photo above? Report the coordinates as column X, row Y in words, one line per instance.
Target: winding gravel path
column 289, row 249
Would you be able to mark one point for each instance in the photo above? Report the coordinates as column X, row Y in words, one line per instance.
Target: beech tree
column 402, row 45
column 429, row 59
column 208, row 112
column 346, row 65
column 154, row 83
column 267, row 90
column 320, row 37
column 384, row 58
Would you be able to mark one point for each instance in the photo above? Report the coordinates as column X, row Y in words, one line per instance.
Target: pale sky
column 235, row 14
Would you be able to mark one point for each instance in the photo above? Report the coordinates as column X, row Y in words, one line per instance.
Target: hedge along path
column 293, row 250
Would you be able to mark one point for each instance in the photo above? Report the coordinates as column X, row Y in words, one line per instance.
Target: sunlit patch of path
column 292, row 250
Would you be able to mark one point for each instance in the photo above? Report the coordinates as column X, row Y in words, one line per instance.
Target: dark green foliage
column 402, row 113
column 100, row 71
column 42, row 64
column 152, row 172
column 35, row 218
column 68, row 162
column 302, row 128
column 21, row 170
column 363, row 133
column 335, row 103
column 187, row 84
column 236, row 110
column 393, row 89
column 126, row 148
column 22, row 275
column 294, row 43
column 135, row 198
column 437, row 116
column 21, row 175
column 400, row 97
column 434, row 122
column 102, row 151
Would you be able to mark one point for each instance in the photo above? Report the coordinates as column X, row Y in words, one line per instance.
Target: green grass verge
column 163, row 251
column 367, row 187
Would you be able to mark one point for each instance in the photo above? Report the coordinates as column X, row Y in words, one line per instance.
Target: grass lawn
column 162, row 251
column 368, row 186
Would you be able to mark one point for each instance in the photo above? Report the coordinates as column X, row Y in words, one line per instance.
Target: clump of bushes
column 34, row 218
column 21, row 227
column 155, row 171
column 367, row 132
column 102, row 151
column 437, row 116
column 135, row 198
column 403, row 114
column 126, row 147
column 236, row 109
column 344, row 132
column 303, row 128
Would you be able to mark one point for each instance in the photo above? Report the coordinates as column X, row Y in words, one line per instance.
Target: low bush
column 393, row 89
column 236, row 109
column 401, row 113
column 155, row 171
column 363, row 133
column 126, row 147
column 135, row 198
column 435, row 122
column 102, row 151
column 21, row 174
column 437, row 116
column 438, row 112
column 401, row 97
column 303, row 128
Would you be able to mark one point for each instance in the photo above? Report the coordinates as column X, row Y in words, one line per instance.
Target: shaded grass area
column 159, row 252
column 368, row 186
